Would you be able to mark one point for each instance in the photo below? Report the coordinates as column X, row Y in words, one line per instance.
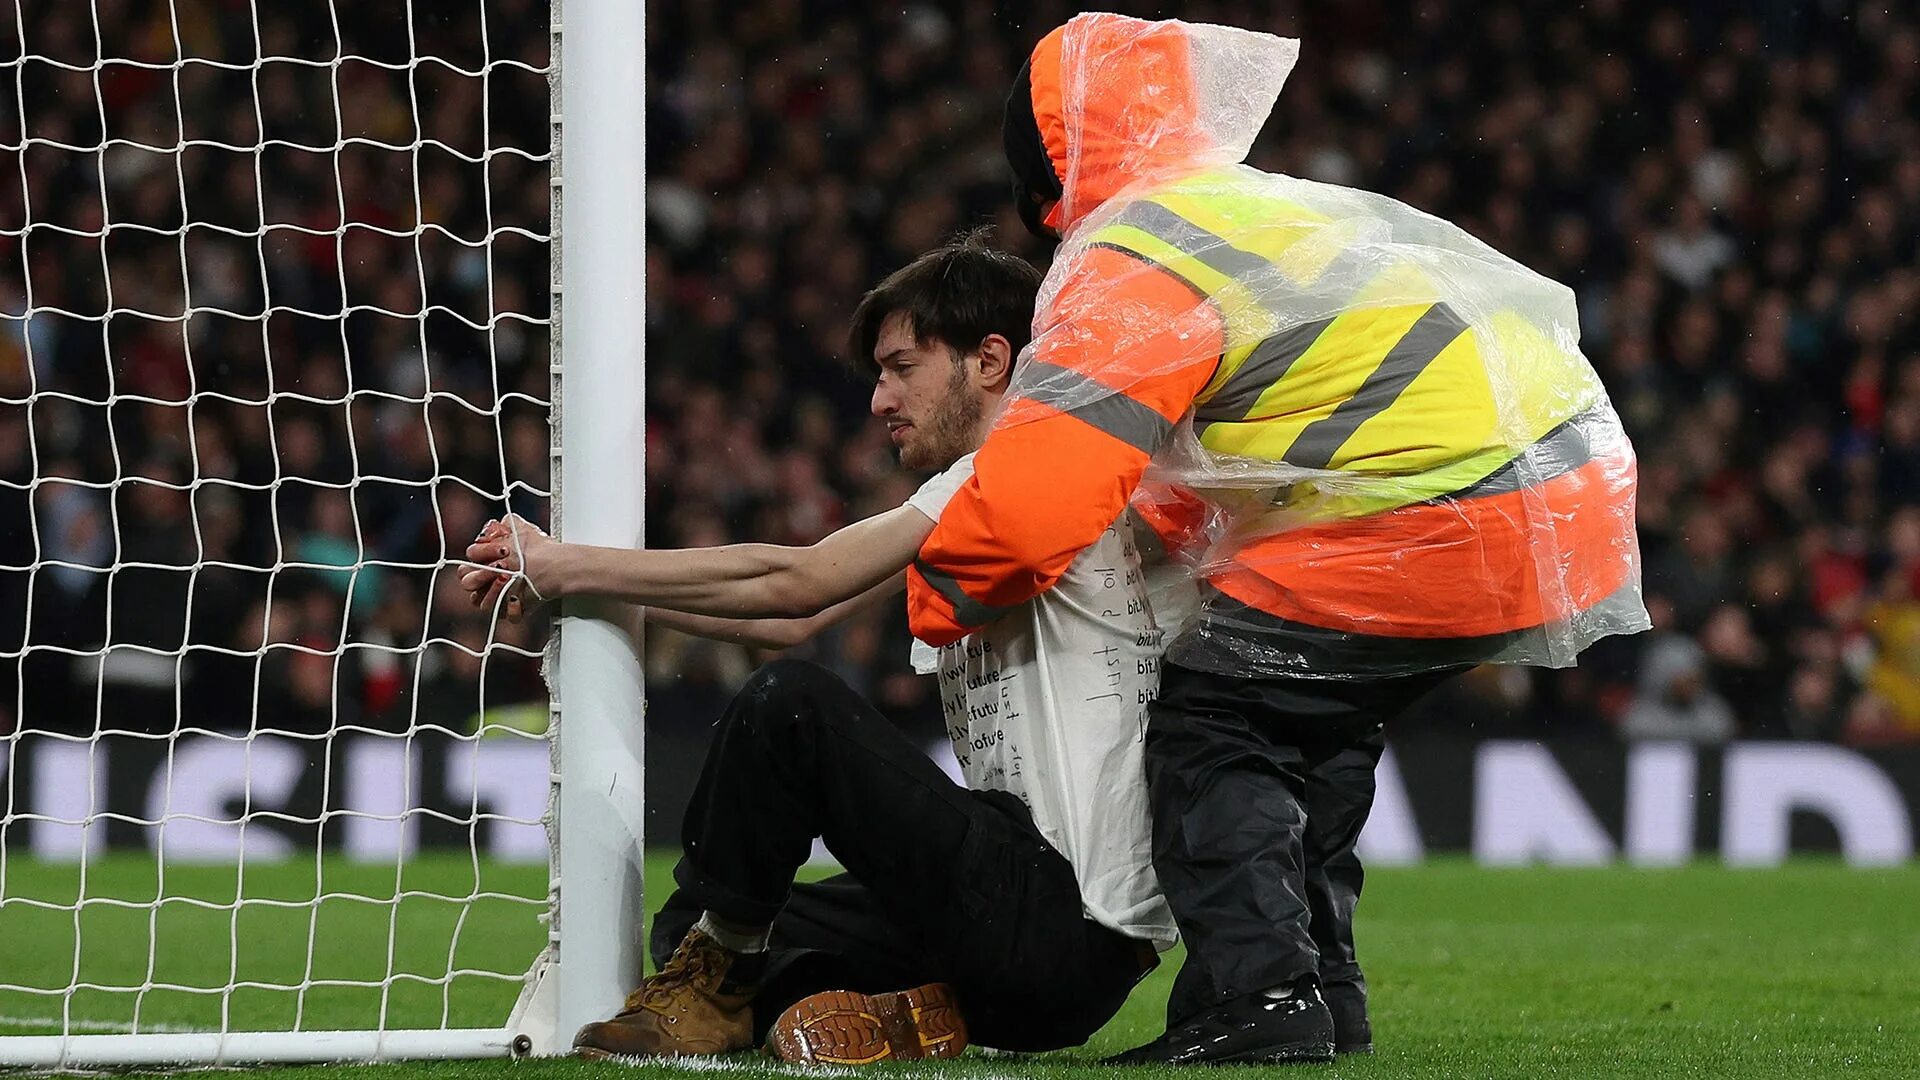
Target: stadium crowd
column 228, row 376
column 1731, row 189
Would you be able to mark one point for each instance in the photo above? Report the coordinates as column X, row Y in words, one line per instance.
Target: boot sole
column 841, row 1027
column 1307, row 1053
column 604, row 1040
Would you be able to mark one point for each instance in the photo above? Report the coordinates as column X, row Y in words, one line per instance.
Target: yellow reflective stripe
column 1152, row 248
column 1299, row 243
column 1445, row 407
column 1233, row 392
column 1322, row 444
column 1230, row 364
column 1543, row 381
column 1260, row 226
column 1247, row 253
column 1494, row 471
column 1331, row 371
column 1246, row 317
column 1182, row 231
column 1306, row 503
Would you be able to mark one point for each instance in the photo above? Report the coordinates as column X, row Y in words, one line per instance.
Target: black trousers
column 1259, row 788
column 943, row 884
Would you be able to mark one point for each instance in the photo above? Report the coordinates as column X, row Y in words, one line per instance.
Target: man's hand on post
column 516, row 557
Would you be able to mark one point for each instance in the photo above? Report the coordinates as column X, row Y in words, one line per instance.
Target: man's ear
column 994, row 363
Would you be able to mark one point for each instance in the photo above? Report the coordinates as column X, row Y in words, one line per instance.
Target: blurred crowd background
column 292, row 321
column 1731, row 188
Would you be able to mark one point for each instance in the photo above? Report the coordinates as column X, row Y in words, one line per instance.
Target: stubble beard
column 949, row 432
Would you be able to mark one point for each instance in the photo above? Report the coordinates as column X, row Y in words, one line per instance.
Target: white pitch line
column 760, row 1066
column 757, row 1065
column 102, row 1027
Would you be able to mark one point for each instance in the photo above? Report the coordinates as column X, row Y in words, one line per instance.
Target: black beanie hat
column 1034, row 181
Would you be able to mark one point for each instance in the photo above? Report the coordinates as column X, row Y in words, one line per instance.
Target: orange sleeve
column 1177, row 516
column 1047, row 482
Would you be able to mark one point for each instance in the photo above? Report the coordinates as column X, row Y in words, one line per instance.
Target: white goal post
column 599, row 313
column 292, row 862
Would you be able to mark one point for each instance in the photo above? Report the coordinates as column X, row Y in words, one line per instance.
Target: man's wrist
column 557, row 576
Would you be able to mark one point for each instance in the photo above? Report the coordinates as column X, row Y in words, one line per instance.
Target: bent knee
column 781, row 696
column 785, row 677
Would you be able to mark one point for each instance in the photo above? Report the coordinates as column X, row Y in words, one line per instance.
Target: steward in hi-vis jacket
column 1372, row 438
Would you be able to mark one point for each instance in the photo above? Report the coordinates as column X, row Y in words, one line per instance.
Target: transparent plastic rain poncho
column 1530, row 414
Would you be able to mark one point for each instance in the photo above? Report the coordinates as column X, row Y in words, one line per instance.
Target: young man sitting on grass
column 1017, row 911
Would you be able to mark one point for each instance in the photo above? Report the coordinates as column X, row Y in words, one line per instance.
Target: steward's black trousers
column 943, row 884
column 1258, row 789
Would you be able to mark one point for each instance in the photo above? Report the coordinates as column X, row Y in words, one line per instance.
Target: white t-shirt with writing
column 1049, row 703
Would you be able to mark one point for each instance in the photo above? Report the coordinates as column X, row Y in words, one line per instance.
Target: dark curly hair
column 956, row 294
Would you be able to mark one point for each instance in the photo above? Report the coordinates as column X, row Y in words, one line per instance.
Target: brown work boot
column 699, row 1003
column 840, row 1027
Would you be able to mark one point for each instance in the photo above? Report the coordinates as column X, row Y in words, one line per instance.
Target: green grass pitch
column 1810, row 970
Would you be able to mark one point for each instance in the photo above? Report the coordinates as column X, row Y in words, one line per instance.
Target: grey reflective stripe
column 1272, row 287
column 1354, row 262
column 1108, row 245
column 1113, row 412
column 1424, row 340
column 966, row 609
column 1190, row 239
column 1556, row 453
column 1268, row 362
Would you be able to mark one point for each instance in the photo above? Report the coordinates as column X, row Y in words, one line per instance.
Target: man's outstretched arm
column 772, row 633
column 737, row 581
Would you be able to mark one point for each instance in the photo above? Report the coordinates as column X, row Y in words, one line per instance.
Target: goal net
column 279, row 290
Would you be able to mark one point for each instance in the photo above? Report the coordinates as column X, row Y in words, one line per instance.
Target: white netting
column 273, row 345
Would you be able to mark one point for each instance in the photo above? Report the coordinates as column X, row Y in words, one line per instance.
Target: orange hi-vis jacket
column 1373, row 438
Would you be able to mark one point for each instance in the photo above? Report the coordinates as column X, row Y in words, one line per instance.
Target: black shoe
column 1352, row 1033
column 1254, row 1029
